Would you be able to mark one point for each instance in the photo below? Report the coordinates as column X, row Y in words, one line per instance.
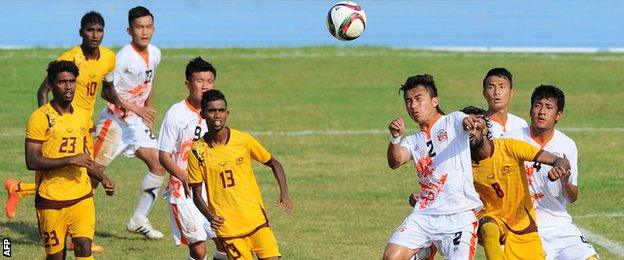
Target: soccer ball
column 346, row 21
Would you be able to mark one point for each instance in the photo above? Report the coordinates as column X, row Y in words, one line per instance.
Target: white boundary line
column 613, row 247
column 601, row 215
column 294, row 53
column 333, row 132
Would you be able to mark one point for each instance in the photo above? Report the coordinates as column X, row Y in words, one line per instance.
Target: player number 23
column 227, row 178
column 50, row 239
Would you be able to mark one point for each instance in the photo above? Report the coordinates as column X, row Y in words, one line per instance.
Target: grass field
column 323, row 113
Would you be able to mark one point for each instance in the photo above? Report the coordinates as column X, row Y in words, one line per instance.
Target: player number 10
column 91, row 88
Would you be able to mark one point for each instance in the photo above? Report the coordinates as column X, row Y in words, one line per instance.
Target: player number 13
column 227, row 178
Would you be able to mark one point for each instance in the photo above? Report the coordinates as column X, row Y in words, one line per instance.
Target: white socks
column 150, row 187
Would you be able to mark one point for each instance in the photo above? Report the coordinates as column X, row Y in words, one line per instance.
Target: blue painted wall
column 557, row 23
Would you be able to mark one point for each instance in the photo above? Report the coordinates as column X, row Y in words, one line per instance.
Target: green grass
column 347, row 202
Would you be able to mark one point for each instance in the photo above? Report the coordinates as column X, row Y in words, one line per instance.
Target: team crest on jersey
column 239, row 160
column 442, row 135
column 506, row 169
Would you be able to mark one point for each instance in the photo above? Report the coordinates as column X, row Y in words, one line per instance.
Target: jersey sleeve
column 168, row 134
column 521, row 150
column 458, row 119
column 37, row 126
column 409, row 143
column 257, row 151
column 573, row 158
column 194, row 167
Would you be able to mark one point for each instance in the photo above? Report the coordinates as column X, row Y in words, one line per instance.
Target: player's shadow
column 29, row 232
column 104, row 234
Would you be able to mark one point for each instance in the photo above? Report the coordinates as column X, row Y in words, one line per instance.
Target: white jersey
column 442, row 159
column 181, row 127
column 513, row 122
column 133, row 77
column 548, row 198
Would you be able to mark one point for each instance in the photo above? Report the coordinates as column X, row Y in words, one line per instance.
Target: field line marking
column 294, row 53
column 613, row 247
column 601, row 215
column 357, row 132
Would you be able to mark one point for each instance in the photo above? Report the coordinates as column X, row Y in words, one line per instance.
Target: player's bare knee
column 197, row 250
column 82, row 246
column 593, row 257
column 56, row 256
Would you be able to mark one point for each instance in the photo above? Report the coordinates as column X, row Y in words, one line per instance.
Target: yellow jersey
column 91, row 75
column 61, row 135
column 230, row 183
column 501, row 182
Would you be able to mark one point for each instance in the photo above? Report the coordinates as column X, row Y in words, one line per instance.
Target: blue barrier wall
column 557, row 23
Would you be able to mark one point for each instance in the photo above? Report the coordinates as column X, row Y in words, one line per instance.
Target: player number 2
column 50, row 239
column 91, row 88
column 227, row 178
column 499, row 191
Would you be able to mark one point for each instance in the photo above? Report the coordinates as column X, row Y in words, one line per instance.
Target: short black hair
column 549, row 91
column 424, row 80
column 58, row 66
column 500, row 72
column 91, row 17
column 212, row 95
column 198, row 64
column 472, row 110
column 138, row 12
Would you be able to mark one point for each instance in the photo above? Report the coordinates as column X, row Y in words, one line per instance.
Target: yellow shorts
column 520, row 246
column 262, row 242
column 54, row 224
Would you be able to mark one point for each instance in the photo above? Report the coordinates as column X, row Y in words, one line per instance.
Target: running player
column 56, row 148
column 130, row 131
column 445, row 210
column 222, row 161
column 498, row 91
column 181, row 127
column 560, row 237
column 508, row 216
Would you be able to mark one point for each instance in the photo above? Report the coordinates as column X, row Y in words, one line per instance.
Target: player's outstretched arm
column 109, row 94
column 396, row 154
column 42, row 93
column 215, row 221
column 284, row 197
column 473, row 122
column 36, row 162
column 560, row 171
column 167, row 162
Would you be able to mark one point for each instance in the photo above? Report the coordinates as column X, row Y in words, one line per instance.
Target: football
column 346, row 21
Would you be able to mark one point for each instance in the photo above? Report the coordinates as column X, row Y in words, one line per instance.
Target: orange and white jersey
column 548, row 197
column 133, row 77
column 441, row 155
column 181, row 127
column 513, row 122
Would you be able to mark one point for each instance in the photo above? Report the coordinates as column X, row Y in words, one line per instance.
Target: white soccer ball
column 346, row 21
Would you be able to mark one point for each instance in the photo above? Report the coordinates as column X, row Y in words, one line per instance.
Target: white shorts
column 114, row 136
column 188, row 224
column 455, row 235
column 565, row 242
